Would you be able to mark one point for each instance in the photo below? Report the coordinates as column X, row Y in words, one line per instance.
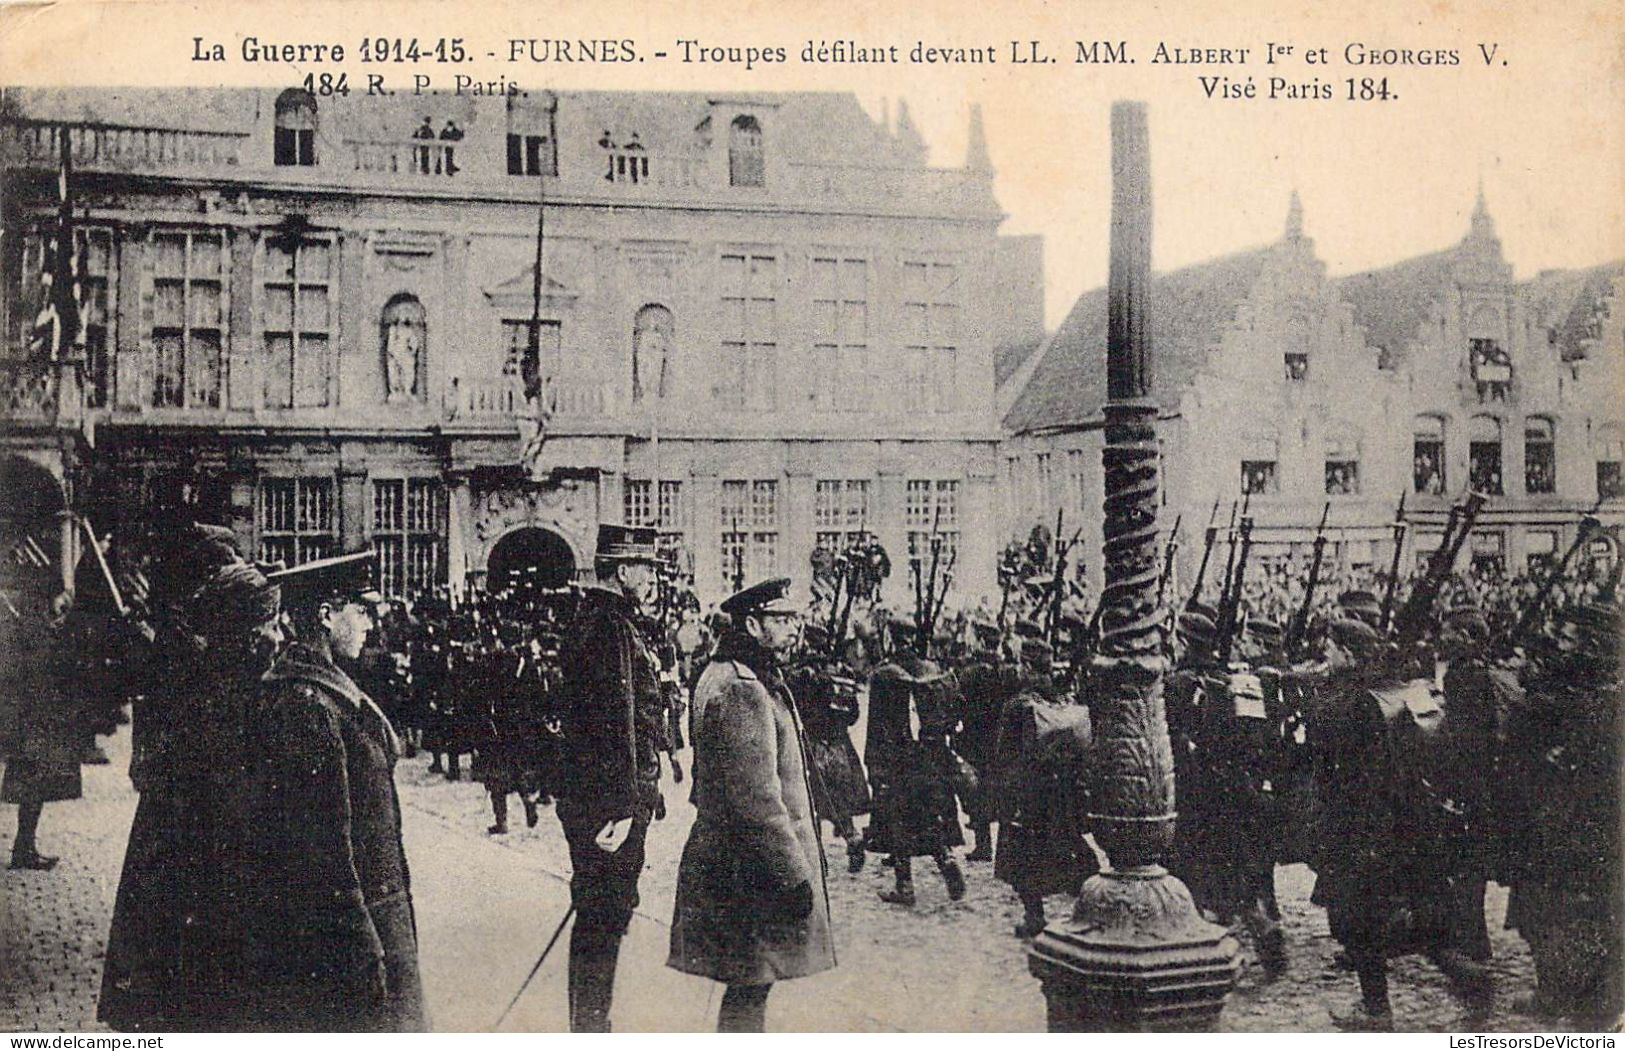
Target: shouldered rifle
column 1168, row 557
column 1393, row 565
column 1230, row 610
column 1412, row 619
column 1299, row 628
column 1207, row 551
column 1230, row 559
column 1589, row 528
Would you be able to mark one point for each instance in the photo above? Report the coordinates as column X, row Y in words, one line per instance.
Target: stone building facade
column 760, row 321
column 1315, row 394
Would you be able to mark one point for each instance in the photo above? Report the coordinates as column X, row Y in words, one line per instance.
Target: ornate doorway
column 530, row 557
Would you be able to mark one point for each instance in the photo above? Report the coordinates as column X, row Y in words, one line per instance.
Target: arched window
column 295, row 128
column 1610, row 449
column 745, row 166
column 1342, row 465
column 1484, row 455
column 1539, row 456
column 404, row 334
column 1427, row 456
column 652, row 332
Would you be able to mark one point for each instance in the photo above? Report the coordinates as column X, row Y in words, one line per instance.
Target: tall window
column 298, row 358
column 1491, row 366
column 520, row 364
column 750, row 530
column 1042, row 479
column 1489, row 553
column 296, row 519
column 663, row 509
column 406, row 525
column 931, row 505
column 745, row 167
column 1297, row 366
column 1610, row 454
column 1078, row 479
column 1427, row 456
column 94, row 247
column 188, row 309
column 1540, row 548
column 841, row 334
column 1484, row 455
column 1342, row 467
column 295, row 128
column 749, row 332
column 531, row 151
column 840, row 512
column 930, row 336
column 1539, row 456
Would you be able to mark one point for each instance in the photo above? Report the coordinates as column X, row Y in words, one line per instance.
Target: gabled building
column 1299, row 391
column 760, row 322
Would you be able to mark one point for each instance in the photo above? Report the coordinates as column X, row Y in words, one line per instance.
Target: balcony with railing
column 498, row 402
column 427, row 158
column 118, row 148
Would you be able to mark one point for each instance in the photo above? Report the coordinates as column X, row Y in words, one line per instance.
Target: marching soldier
column 752, row 908
column 827, row 701
column 614, row 726
column 1567, row 877
column 912, row 774
column 1042, row 747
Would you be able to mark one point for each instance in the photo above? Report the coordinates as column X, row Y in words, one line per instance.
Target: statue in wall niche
column 403, row 330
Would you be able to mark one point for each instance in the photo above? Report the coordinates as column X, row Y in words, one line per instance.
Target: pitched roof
column 1391, row 303
column 1190, row 310
column 1009, row 357
column 1567, row 304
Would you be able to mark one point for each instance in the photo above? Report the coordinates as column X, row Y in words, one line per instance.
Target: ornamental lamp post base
column 1136, row 956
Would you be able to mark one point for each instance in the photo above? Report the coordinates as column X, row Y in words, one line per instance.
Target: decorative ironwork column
column 1136, row 954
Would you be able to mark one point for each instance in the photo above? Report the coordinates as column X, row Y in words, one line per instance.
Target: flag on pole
column 59, row 331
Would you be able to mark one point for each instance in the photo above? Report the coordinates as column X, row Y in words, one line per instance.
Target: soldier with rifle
column 1384, row 866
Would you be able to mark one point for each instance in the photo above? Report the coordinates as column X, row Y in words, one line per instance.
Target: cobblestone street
column 486, row 906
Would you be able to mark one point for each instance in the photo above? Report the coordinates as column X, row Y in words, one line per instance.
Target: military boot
column 952, row 876
column 855, row 855
column 903, row 893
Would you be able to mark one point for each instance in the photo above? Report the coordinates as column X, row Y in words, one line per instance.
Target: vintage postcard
column 811, row 517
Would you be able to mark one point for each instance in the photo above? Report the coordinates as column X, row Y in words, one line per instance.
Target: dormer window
column 295, row 128
column 745, row 163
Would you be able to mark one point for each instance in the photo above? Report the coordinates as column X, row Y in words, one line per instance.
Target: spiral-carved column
column 1135, row 954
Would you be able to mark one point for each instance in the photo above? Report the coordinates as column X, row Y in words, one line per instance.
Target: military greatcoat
column 332, row 934
column 755, row 835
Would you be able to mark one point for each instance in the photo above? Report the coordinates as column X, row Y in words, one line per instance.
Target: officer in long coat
column 332, row 941
column 752, row 908
column 614, row 724
column 174, row 950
